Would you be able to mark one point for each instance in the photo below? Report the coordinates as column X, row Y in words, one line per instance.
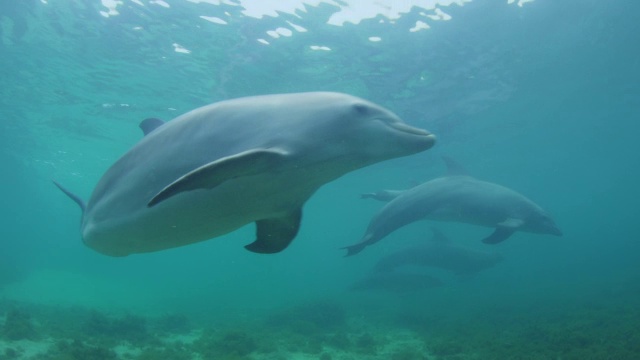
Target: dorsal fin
column 453, row 168
column 439, row 237
column 150, row 124
column 73, row 196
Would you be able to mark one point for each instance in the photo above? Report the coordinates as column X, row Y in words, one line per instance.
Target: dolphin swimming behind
column 222, row 166
column 397, row 282
column 458, row 197
column 439, row 252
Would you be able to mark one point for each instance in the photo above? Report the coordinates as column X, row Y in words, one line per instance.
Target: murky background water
column 542, row 97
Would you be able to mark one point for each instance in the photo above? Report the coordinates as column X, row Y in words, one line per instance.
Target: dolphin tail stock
column 71, row 195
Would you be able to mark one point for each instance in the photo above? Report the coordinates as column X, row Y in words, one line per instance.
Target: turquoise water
column 543, row 98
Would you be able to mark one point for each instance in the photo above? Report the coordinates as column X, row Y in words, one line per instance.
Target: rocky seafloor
column 324, row 330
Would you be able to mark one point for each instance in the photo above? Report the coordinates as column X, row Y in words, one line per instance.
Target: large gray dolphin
column 460, row 198
column 222, row 166
column 440, row 252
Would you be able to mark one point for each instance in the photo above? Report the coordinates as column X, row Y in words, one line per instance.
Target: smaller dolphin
column 459, row 197
column 440, row 253
column 397, row 282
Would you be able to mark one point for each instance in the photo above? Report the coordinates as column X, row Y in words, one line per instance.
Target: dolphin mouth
column 427, row 139
column 410, row 129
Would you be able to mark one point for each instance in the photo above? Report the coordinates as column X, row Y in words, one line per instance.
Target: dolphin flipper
column 503, row 231
column 73, row 196
column 275, row 234
column 208, row 176
column 501, row 234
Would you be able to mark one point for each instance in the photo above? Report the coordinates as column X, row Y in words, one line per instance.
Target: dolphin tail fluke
column 354, row 249
column 368, row 239
column 73, row 196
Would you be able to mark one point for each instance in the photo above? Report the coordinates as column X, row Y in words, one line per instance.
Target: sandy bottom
column 52, row 316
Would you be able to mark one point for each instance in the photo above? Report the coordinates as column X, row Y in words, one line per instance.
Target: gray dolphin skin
column 396, row 282
column 440, row 252
column 382, row 195
column 458, row 197
column 222, row 166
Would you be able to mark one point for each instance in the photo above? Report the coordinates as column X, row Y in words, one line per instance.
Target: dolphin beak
column 400, row 126
column 555, row 231
column 428, row 137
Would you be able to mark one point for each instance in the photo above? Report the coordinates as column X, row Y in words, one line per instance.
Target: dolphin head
column 379, row 134
column 542, row 223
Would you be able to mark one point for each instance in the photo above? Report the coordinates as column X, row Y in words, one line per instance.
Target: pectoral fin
column 512, row 223
column 275, row 234
column 208, row 176
column 72, row 196
column 503, row 231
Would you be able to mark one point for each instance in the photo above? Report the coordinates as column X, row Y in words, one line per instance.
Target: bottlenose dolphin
column 222, row 166
column 397, row 282
column 459, row 197
column 441, row 253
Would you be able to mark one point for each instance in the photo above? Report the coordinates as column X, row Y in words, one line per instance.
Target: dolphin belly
column 194, row 216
